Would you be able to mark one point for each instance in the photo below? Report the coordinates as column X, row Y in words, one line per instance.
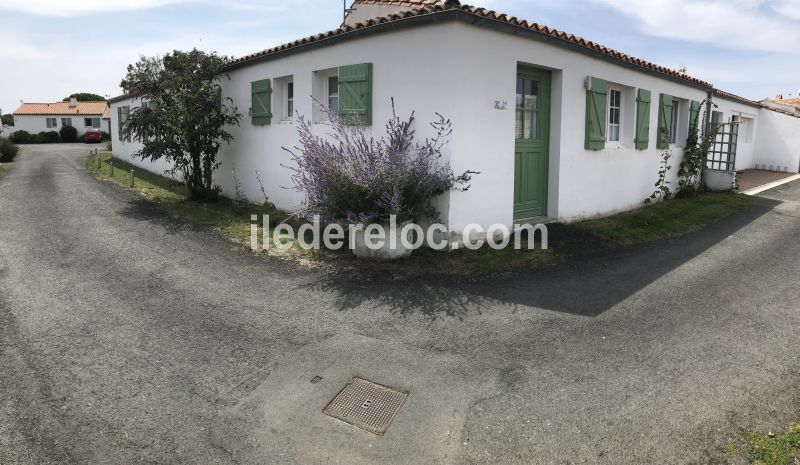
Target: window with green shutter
column 664, row 121
column 122, row 118
column 355, row 93
column 694, row 114
column 596, row 98
column 261, row 102
column 642, row 139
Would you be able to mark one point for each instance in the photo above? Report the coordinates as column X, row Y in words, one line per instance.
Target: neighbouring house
column 791, row 105
column 558, row 126
column 83, row 116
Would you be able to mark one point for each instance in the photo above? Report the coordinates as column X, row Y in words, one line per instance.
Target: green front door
column 532, row 142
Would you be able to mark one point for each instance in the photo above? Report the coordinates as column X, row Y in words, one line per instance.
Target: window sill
column 286, row 121
column 616, row 146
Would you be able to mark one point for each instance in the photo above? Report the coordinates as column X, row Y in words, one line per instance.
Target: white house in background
column 557, row 125
column 83, row 116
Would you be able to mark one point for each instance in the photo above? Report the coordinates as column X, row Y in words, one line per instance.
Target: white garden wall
column 778, row 141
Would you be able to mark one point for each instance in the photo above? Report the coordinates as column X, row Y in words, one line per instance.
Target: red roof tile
column 62, row 108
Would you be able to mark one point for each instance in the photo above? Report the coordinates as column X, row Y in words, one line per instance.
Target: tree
column 8, row 119
column 85, row 97
column 182, row 117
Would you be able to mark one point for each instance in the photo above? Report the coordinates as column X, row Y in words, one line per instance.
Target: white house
column 83, row 116
column 557, row 125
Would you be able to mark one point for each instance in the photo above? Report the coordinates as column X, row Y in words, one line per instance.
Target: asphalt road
column 127, row 337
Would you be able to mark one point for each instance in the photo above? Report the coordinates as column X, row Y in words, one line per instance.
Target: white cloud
column 735, row 24
column 88, row 7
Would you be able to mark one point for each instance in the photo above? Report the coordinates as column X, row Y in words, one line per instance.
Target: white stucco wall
column 125, row 150
column 778, row 142
column 396, row 74
column 583, row 183
column 745, row 149
column 35, row 124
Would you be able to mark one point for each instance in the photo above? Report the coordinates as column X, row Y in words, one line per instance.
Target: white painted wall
column 125, row 150
column 778, row 141
column 745, row 151
column 35, row 124
column 583, row 183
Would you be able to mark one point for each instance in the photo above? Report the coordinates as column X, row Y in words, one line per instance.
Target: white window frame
column 746, row 127
column 675, row 122
column 49, row 120
column 619, row 124
column 321, row 93
column 288, row 99
column 66, row 121
column 328, row 91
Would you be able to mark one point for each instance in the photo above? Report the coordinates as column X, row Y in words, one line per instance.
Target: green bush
column 106, row 136
column 21, row 137
column 81, row 138
column 8, row 150
column 40, row 138
column 51, row 137
column 68, row 134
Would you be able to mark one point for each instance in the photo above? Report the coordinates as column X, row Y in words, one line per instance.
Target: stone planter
column 391, row 249
column 718, row 180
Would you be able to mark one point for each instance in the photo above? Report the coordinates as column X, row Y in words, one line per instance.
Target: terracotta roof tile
column 736, row 98
column 408, row 3
column 62, row 108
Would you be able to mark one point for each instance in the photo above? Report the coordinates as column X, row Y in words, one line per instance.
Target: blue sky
column 49, row 48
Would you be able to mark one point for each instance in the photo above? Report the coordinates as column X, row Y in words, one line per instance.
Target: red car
column 93, row 135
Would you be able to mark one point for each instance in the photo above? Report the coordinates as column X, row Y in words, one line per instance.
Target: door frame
column 546, row 76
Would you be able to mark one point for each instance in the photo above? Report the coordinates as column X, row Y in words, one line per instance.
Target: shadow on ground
column 590, row 278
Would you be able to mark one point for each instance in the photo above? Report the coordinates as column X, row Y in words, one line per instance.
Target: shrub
column 21, row 137
column 68, row 134
column 354, row 178
column 51, row 136
column 40, row 138
column 8, row 150
column 81, row 138
column 106, row 136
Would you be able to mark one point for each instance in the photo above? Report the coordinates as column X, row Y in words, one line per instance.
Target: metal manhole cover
column 366, row 405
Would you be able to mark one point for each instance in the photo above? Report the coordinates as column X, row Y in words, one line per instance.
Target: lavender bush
column 355, row 178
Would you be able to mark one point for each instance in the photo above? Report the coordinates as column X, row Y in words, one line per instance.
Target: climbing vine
column 690, row 171
column 662, row 191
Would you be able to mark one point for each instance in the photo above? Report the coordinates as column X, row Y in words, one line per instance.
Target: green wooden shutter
column 261, row 102
column 664, row 121
column 596, row 108
column 355, row 93
column 694, row 113
column 119, row 123
column 642, row 139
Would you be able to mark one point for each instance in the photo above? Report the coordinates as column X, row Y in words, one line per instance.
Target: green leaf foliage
column 183, row 120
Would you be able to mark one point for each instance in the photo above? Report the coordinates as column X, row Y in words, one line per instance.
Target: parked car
column 93, row 136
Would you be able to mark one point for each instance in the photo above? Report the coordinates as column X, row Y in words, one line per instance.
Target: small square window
column 66, row 121
column 289, row 99
column 333, row 93
column 614, row 115
column 324, row 94
column 51, row 122
column 673, row 127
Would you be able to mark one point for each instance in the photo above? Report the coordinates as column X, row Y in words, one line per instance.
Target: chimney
column 73, row 102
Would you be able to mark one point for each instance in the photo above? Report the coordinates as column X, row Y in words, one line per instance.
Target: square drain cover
column 366, row 405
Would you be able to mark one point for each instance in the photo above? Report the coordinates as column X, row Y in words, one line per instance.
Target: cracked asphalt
column 129, row 337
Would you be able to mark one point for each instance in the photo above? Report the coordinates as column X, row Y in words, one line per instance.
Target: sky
column 52, row 48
